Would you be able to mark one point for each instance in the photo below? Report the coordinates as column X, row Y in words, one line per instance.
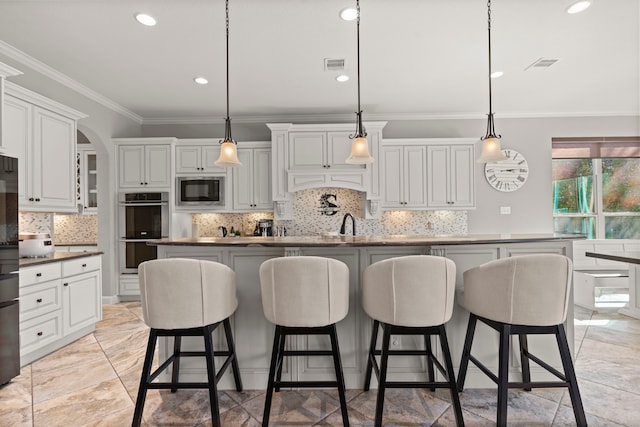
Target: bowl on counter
column 35, row 245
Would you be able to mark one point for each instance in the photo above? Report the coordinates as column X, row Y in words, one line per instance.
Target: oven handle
column 144, row 204
column 124, row 239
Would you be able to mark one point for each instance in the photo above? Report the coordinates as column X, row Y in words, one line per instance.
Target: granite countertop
column 391, row 240
column 56, row 257
column 76, row 244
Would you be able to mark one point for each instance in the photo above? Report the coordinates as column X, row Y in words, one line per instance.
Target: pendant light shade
column 359, row 147
column 228, row 149
column 491, row 149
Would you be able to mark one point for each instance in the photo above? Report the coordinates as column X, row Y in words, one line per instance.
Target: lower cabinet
column 59, row 303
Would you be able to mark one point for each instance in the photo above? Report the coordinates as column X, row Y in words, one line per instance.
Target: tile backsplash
column 35, row 222
column 70, row 229
column 317, row 211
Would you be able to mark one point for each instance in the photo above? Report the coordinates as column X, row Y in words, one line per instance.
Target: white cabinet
column 42, row 134
column 87, row 179
column 451, row 178
column 145, row 164
column 405, row 183
column 320, row 150
column 198, row 158
column 252, row 181
column 59, row 303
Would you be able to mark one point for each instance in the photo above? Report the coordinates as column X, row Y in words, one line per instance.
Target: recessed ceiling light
column 497, row 74
column 342, row 78
column 348, row 14
column 578, row 6
column 145, row 19
column 201, row 80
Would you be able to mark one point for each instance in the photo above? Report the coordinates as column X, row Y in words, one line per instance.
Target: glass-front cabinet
column 87, row 180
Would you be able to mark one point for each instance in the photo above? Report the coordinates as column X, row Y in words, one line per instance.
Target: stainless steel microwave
column 206, row 190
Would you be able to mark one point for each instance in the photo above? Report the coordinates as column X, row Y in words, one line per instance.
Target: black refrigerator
column 9, row 277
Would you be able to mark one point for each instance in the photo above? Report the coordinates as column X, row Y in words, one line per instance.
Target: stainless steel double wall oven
column 142, row 217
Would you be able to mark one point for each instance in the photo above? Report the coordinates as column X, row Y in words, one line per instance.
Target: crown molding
column 8, row 71
column 42, row 68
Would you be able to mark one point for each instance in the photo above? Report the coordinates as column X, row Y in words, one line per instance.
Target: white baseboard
column 110, row 299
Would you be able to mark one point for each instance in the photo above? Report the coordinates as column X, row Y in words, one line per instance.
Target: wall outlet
column 505, row 210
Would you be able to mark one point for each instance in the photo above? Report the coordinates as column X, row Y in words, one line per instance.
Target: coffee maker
column 264, row 227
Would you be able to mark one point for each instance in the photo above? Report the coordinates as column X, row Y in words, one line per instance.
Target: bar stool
column 304, row 295
column 410, row 295
column 522, row 295
column 187, row 297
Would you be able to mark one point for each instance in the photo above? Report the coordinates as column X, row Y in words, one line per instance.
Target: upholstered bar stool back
column 304, row 295
column 521, row 295
column 186, row 297
column 411, row 295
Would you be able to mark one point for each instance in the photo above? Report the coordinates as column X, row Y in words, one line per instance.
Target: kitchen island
column 254, row 334
column 633, row 259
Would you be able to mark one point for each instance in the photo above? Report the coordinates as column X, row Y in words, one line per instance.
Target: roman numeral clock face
column 507, row 175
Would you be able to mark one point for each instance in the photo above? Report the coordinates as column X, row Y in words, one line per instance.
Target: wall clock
column 507, row 175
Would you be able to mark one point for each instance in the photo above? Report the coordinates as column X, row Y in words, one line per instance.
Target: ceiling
column 419, row 58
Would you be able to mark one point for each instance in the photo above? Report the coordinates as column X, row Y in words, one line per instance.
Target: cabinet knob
column 31, row 199
column 39, row 334
column 146, row 183
column 37, row 199
column 65, row 284
column 142, row 183
column 328, row 166
column 39, row 300
column 84, row 265
column 38, row 274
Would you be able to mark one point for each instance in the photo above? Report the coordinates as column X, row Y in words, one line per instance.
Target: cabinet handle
column 39, row 300
column 65, row 284
column 38, row 274
column 84, row 265
column 39, row 334
column 37, row 199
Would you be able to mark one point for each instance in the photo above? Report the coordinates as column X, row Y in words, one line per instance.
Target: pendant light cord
column 360, row 132
column 491, row 133
column 227, row 120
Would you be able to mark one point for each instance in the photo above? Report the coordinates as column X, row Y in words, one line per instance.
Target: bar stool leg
column 211, row 376
column 175, row 374
column 280, row 362
column 144, row 379
column 272, row 373
column 451, row 376
column 428, row 349
column 567, row 364
column 503, row 374
column 524, row 360
column 232, row 349
column 466, row 351
column 339, row 376
column 371, row 355
column 382, row 380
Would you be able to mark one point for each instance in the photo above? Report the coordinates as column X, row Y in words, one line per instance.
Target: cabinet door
column 462, row 185
column 89, row 181
column 262, row 178
column 158, row 166
column 415, row 176
column 209, row 155
column 338, row 149
column 438, row 176
column 243, row 181
column 392, row 163
column 16, row 134
column 188, row 159
column 81, row 301
column 131, row 160
column 54, row 161
column 307, row 150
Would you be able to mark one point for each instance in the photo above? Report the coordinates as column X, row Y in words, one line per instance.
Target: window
column 596, row 187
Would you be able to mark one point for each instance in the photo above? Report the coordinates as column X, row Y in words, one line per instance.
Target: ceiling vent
column 333, row 64
column 542, row 63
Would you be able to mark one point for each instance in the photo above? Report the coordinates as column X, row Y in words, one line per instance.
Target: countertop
column 391, row 240
column 56, row 257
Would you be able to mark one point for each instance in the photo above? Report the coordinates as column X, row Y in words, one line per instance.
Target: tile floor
column 93, row 382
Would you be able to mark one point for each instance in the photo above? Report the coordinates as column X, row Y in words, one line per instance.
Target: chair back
column 178, row 293
column 416, row 291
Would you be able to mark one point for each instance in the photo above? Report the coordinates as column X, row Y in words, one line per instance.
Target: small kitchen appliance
column 35, row 245
column 264, row 227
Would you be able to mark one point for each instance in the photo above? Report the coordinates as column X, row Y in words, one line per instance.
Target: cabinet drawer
column 39, row 273
column 40, row 331
column 39, row 299
column 80, row 265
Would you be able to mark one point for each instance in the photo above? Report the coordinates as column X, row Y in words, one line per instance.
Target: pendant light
column 359, row 147
column 491, row 150
column 229, row 148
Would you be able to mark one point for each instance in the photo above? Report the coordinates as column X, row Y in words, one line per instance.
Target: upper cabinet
column 320, row 150
column 405, row 183
column 42, row 134
column 87, row 186
column 451, row 177
column 198, row 158
column 252, row 180
column 144, row 163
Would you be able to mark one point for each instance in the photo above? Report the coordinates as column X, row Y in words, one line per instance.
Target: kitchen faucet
column 344, row 220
